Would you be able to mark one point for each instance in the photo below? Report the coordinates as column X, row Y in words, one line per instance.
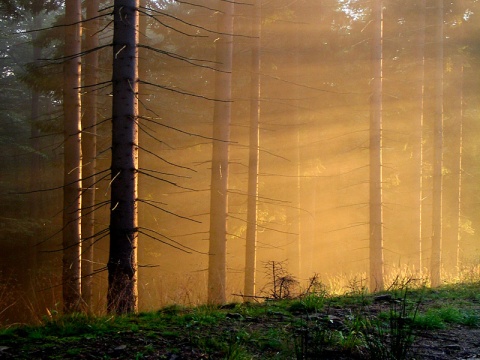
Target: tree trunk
column 122, row 264
column 294, row 250
column 453, row 129
column 376, row 201
column 89, row 146
column 72, row 193
column 37, row 162
column 459, row 168
column 253, row 163
column 436, row 255
column 219, row 176
column 418, row 149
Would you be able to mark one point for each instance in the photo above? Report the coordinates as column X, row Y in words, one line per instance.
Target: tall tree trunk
column 295, row 253
column 89, row 146
column 436, row 255
column 295, row 246
column 459, row 168
column 72, row 193
column 143, row 103
column 453, row 129
column 37, row 162
column 253, row 163
column 418, row 149
column 219, row 176
column 376, row 163
column 463, row 60
column 122, row 263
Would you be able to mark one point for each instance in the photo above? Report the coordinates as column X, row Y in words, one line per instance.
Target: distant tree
column 454, row 103
column 253, row 159
column 219, row 173
column 36, row 159
column 418, row 147
column 456, row 131
column 436, row 253
column 89, row 147
column 295, row 249
column 376, row 163
column 122, row 263
column 461, row 59
column 72, row 193
column 24, row 51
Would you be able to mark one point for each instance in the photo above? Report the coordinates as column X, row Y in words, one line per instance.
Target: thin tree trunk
column 219, row 175
column 253, row 163
column 436, row 255
column 452, row 159
column 122, row 264
column 460, row 181
column 460, row 171
column 376, row 163
column 419, row 135
column 295, row 247
column 461, row 103
column 89, row 146
column 295, row 254
column 72, row 198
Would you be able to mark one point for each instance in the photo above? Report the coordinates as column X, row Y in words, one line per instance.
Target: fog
column 314, row 165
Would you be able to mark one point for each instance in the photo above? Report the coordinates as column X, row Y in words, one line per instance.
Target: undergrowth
column 289, row 324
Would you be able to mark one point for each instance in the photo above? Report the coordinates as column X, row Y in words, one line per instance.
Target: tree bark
column 89, row 146
column 376, row 163
column 436, row 254
column 122, row 264
column 219, row 174
column 72, row 193
column 253, row 163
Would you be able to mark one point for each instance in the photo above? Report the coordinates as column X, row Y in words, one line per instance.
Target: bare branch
column 168, row 162
column 194, row 25
column 182, row 131
column 170, row 27
column 164, row 173
column 196, row 5
column 141, row 127
column 149, row 202
column 263, row 227
column 57, row 187
column 181, row 92
column 190, row 61
column 174, row 241
column 164, row 242
column 62, row 59
column 65, row 25
column 166, row 181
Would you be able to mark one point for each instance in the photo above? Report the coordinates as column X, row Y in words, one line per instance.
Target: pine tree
column 122, row 263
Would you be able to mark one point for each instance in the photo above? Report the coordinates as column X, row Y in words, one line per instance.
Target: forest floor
column 400, row 324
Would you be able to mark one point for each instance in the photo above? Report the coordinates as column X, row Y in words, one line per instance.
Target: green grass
column 443, row 316
column 298, row 328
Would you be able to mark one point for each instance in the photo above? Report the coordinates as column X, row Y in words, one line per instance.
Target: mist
column 314, row 199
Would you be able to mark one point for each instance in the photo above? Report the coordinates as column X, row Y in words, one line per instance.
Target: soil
column 455, row 343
